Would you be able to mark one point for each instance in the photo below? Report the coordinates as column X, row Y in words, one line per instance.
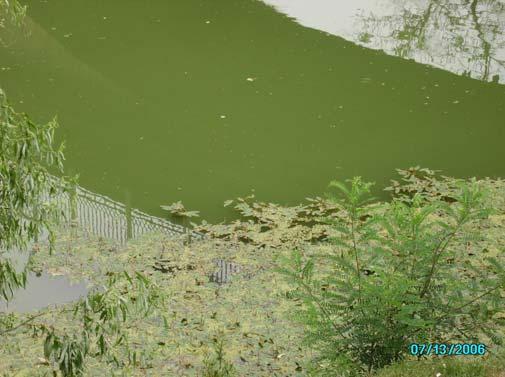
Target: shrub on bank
column 398, row 273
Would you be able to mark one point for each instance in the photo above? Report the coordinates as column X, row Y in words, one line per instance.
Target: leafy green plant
column 423, row 182
column 272, row 225
column 216, row 365
column 177, row 209
column 179, row 212
column 68, row 353
column 103, row 317
column 26, row 186
column 7, row 322
column 396, row 273
column 12, row 17
column 27, row 189
column 10, row 279
column 11, row 11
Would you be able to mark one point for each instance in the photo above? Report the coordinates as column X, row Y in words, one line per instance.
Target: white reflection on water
column 461, row 36
column 42, row 291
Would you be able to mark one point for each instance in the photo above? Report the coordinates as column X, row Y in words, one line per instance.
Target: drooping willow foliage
column 12, row 17
column 27, row 152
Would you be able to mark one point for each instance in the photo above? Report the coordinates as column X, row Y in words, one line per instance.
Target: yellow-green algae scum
column 259, row 339
column 202, row 101
column 251, row 310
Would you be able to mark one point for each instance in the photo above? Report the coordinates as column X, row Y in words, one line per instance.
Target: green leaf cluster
column 12, row 17
column 217, row 365
column 396, row 273
column 177, row 209
column 28, row 191
column 103, row 315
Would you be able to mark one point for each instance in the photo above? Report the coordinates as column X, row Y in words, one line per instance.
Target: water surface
column 464, row 37
column 43, row 290
column 203, row 101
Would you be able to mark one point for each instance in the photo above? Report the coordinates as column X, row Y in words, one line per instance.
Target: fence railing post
column 73, row 209
column 73, row 203
column 129, row 219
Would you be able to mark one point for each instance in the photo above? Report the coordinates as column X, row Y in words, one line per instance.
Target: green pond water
column 204, row 101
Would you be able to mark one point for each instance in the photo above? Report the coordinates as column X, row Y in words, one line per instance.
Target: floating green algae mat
column 248, row 310
column 251, row 313
column 203, row 101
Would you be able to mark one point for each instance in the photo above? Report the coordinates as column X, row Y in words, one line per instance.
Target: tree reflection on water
column 462, row 36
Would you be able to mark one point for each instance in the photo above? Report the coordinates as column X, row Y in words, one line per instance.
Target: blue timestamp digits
column 447, row 349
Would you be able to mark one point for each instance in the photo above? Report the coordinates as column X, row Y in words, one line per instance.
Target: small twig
column 31, row 318
column 22, row 323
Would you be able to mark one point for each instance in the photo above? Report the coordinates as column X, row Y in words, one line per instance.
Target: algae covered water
column 204, row 101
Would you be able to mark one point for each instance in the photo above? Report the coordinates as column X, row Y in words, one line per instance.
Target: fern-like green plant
column 216, row 365
column 396, row 274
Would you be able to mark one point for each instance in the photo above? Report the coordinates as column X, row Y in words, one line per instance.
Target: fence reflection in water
column 101, row 216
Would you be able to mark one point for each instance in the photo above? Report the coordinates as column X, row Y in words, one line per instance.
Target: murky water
column 203, row 101
column 42, row 289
